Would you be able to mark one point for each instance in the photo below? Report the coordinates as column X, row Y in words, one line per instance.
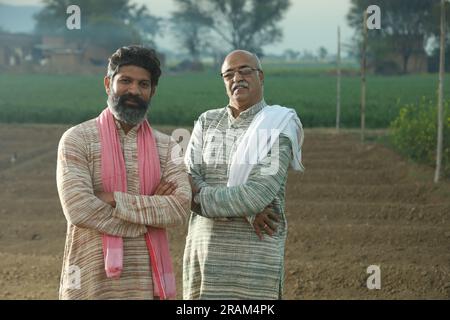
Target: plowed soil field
column 357, row 205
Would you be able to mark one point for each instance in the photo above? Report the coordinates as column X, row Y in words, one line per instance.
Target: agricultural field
column 182, row 97
column 357, row 204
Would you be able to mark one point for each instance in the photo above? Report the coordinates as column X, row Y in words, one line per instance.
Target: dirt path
column 355, row 206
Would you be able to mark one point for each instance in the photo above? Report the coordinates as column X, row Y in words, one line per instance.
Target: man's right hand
column 165, row 188
column 266, row 221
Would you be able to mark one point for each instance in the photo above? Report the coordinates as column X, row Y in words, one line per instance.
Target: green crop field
column 182, row 97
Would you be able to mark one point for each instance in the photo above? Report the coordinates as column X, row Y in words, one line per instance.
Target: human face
column 129, row 94
column 243, row 90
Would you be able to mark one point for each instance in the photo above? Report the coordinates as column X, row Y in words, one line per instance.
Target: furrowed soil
column 356, row 205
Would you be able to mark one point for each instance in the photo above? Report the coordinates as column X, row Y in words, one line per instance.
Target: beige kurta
column 78, row 176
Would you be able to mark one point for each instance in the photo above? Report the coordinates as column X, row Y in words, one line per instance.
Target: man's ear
column 152, row 93
column 261, row 76
column 107, row 82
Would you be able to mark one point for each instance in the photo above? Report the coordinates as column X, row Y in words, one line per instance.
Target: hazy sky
column 307, row 25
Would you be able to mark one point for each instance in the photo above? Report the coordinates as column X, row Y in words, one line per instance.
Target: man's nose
column 134, row 88
column 237, row 76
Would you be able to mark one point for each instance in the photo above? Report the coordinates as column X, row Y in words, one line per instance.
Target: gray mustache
column 242, row 83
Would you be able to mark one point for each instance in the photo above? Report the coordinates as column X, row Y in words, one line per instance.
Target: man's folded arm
column 194, row 155
column 156, row 210
column 80, row 206
column 255, row 195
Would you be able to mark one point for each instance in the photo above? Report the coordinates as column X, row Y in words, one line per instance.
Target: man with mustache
column 121, row 184
column 237, row 159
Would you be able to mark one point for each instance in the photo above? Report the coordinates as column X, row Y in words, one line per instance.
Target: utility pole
column 440, row 119
column 338, row 84
column 363, row 77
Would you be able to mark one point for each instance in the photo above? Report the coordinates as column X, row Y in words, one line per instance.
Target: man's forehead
column 238, row 60
column 133, row 71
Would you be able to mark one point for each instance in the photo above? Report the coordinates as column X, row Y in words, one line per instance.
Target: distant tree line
column 212, row 27
column 408, row 28
column 201, row 26
column 107, row 23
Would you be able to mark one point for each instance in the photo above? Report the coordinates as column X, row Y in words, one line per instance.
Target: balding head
column 248, row 54
column 243, row 78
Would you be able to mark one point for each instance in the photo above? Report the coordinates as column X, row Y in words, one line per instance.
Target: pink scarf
column 114, row 178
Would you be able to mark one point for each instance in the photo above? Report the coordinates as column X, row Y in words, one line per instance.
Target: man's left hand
column 266, row 221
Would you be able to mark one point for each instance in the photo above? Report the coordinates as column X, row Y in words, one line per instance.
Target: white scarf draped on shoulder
column 259, row 139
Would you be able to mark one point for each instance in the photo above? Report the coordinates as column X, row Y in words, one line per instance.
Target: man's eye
column 124, row 80
column 145, row 84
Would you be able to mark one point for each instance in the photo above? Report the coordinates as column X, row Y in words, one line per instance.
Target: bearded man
column 121, row 184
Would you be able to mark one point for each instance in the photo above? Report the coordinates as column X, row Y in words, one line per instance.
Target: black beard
column 131, row 114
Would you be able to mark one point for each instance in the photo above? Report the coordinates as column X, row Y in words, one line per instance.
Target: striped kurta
column 223, row 257
column 78, row 176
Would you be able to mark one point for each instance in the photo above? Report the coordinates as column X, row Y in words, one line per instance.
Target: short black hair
column 137, row 56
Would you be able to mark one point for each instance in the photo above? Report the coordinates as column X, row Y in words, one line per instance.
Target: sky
column 307, row 25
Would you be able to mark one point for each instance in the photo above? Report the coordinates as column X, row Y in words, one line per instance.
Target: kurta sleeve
column 193, row 158
column 159, row 211
column 256, row 194
column 75, row 187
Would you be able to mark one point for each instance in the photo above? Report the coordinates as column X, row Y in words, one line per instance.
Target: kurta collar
column 253, row 110
column 133, row 131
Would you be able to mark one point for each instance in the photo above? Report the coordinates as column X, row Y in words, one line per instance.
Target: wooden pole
column 440, row 119
column 363, row 77
column 338, row 84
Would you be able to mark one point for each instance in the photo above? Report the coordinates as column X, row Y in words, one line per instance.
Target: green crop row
column 181, row 98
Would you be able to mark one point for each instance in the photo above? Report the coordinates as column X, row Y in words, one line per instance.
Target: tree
column 406, row 25
column 107, row 23
column 240, row 24
column 148, row 25
column 322, row 53
column 190, row 26
column 434, row 58
column 99, row 33
column 307, row 55
column 291, row 55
